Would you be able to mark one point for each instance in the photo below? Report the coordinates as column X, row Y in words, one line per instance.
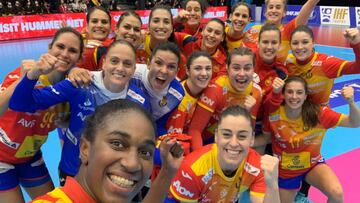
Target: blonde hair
column 267, row 1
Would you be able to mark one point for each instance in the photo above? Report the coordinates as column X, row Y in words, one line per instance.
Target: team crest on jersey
column 308, row 74
column 163, row 101
column 268, row 81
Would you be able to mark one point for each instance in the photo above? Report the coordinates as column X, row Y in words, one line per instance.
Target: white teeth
column 119, row 75
column 122, row 182
column 62, row 62
column 241, row 80
column 235, row 152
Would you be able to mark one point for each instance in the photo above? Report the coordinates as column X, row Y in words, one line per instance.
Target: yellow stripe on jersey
column 341, row 68
column 180, row 198
column 257, row 194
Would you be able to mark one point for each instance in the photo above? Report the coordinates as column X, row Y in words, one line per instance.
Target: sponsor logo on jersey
column 135, row 96
column 6, row 140
column 182, row 190
column 26, row 123
column 185, row 175
column 251, row 169
column 71, row 137
column 206, row 100
column 208, row 175
column 176, row 93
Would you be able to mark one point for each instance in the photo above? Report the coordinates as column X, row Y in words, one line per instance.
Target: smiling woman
column 31, row 132
column 221, row 172
column 116, row 158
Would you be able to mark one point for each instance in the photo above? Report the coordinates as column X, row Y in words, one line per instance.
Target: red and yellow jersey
column 201, row 179
column 72, row 192
column 236, row 43
column 184, row 28
column 220, row 94
column 189, row 44
column 143, row 54
column 320, row 72
column 268, row 72
column 180, row 118
column 298, row 148
column 22, row 134
column 90, row 58
column 286, row 31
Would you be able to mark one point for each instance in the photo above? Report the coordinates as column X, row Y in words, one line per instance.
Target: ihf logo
column 335, row 15
column 326, row 15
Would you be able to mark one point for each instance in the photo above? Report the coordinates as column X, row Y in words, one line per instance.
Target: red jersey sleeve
column 329, row 118
column 179, row 38
column 206, row 106
column 10, row 79
column 351, row 67
column 288, row 29
column 253, row 168
column 186, row 186
column 332, row 66
column 88, row 60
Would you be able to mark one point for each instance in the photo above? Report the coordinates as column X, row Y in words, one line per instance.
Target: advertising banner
column 357, row 19
column 20, row 27
column 293, row 11
column 331, row 15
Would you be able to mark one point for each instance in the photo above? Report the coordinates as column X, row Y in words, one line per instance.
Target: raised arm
column 353, row 37
column 27, row 98
column 353, row 119
column 273, row 100
column 171, row 156
column 305, row 12
column 5, row 93
column 198, row 124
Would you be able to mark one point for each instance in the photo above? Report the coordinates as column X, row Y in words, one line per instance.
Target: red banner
column 20, row 27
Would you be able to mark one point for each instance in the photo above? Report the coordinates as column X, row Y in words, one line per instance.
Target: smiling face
column 98, row 27
column 294, row 95
column 269, row 44
column 120, row 158
column 160, row 24
column 66, row 48
column 233, row 137
column 163, row 68
column 275, row 11
column 302, row 45
column 130, row 30
column 195, row 14
column 241, row 71
column 200, row 72
column 118, row 67
column 213, row 35
column 240, row 18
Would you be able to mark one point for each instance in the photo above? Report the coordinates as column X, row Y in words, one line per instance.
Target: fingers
column 352, row 35
column 80, row 77
column 348, row 93
column 270, row 166
column 172, row 146
column 27, row 65
column 183, row 15
column 277, row 85
column 250, row 101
